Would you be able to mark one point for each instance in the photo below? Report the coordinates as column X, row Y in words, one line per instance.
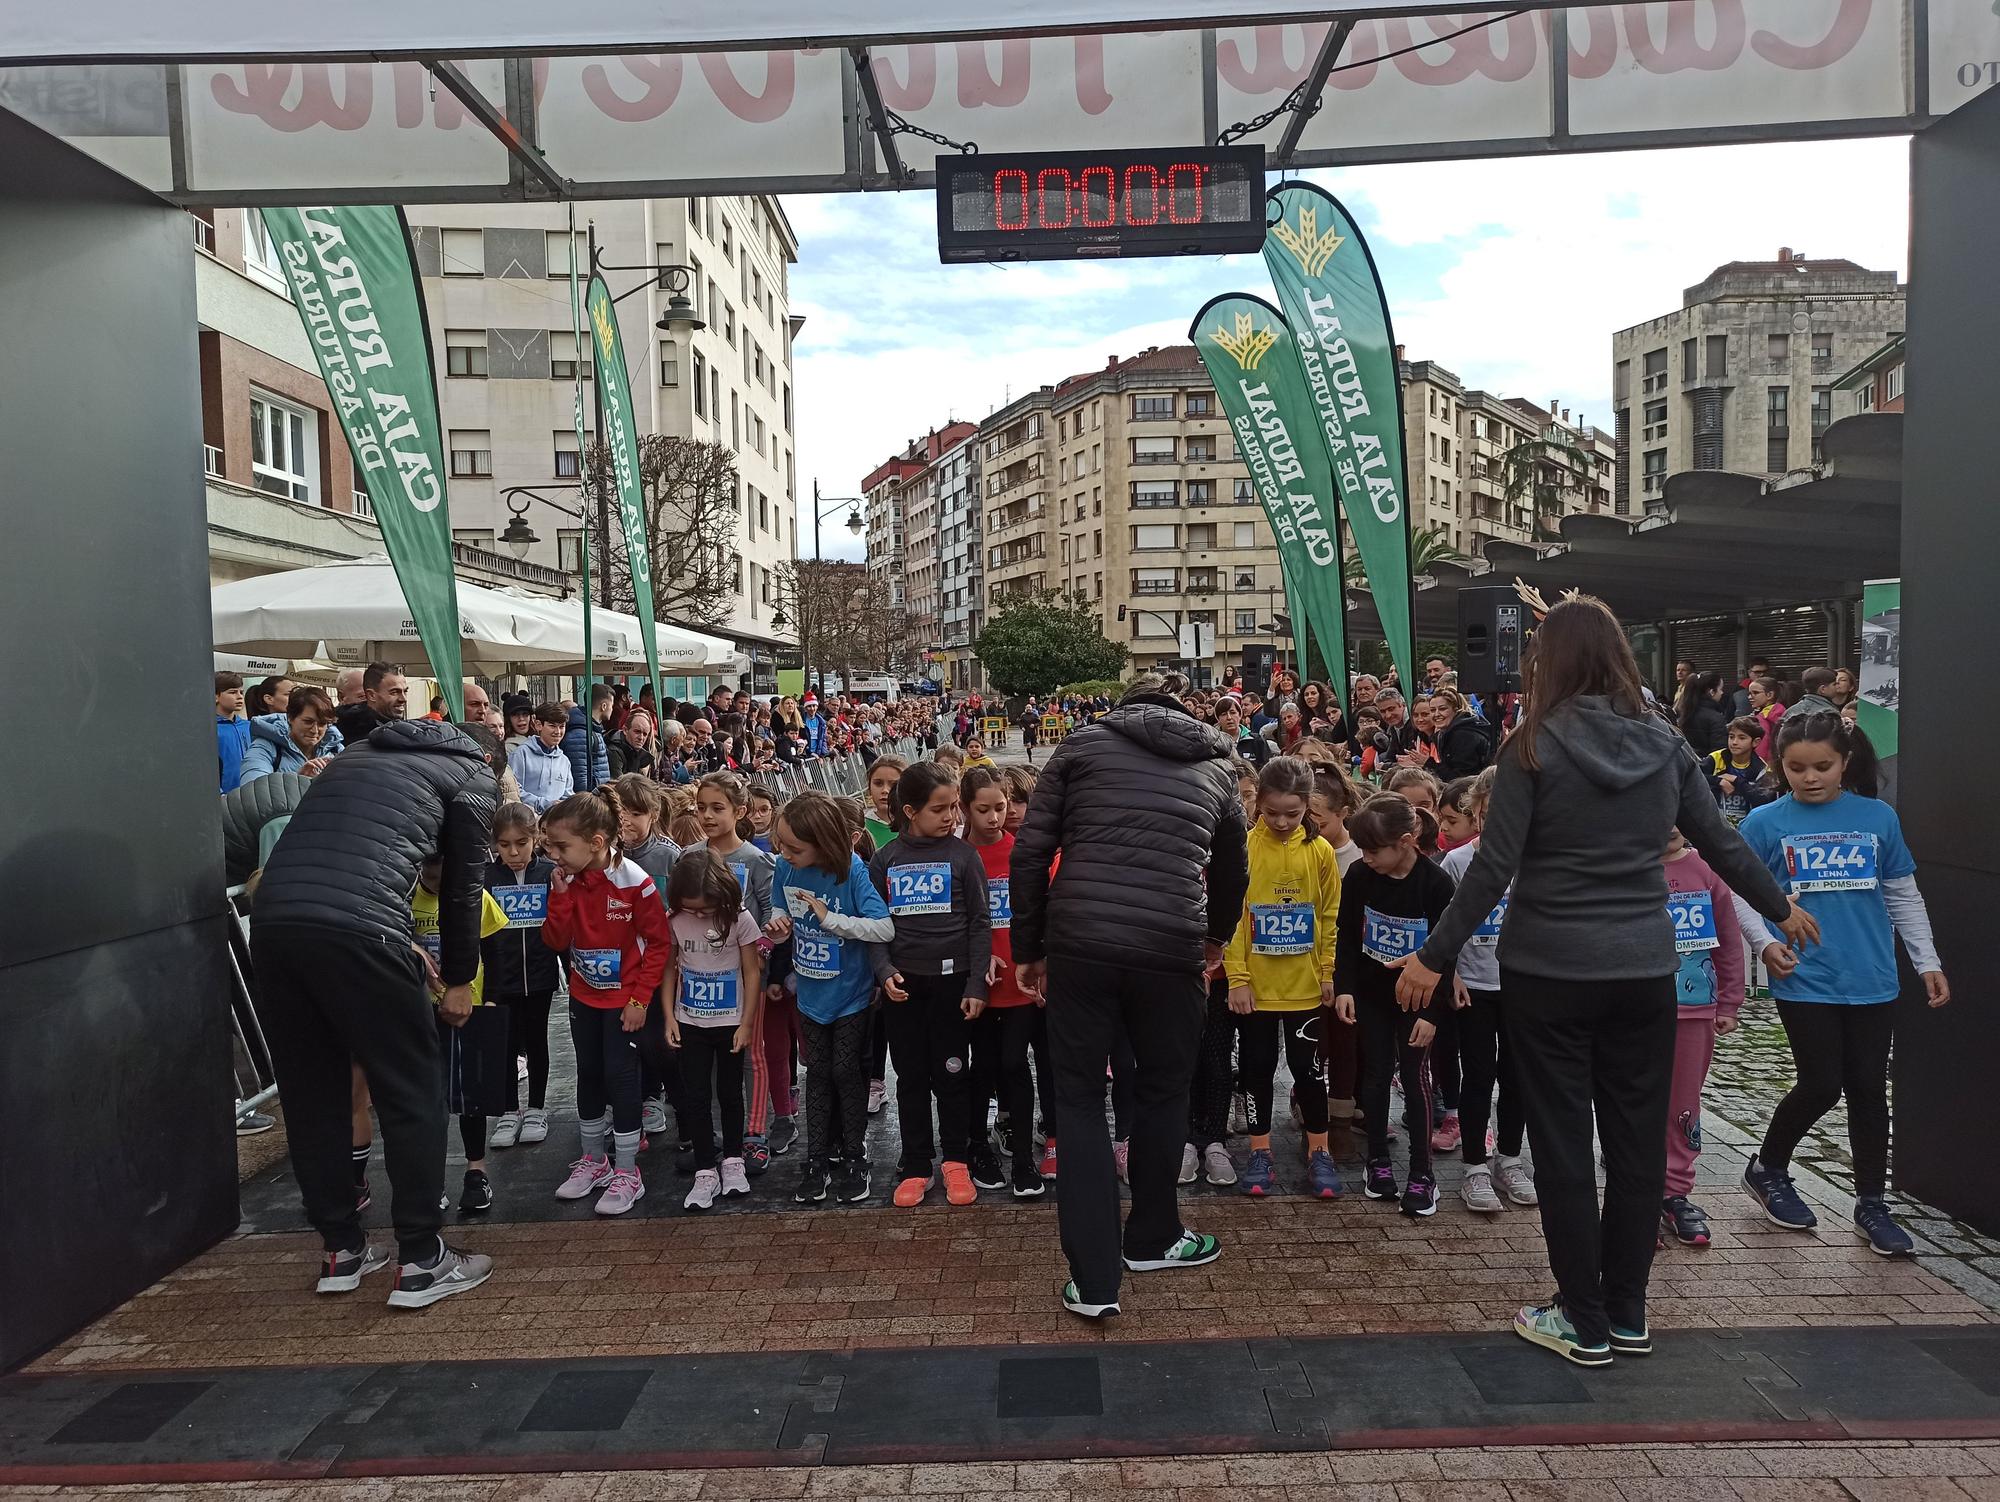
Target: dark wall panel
column 1946, row 1061
column 114, row 1061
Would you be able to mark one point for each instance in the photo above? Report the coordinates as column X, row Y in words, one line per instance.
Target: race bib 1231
column 1386, row 937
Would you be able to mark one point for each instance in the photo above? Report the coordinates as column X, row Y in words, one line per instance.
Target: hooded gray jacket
column 1582, row 839
column 1142, row 808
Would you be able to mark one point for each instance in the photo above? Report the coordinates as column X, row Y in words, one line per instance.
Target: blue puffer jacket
column 596, row 767
column 272, row 748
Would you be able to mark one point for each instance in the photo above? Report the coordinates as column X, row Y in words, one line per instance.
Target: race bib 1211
column 710, row 993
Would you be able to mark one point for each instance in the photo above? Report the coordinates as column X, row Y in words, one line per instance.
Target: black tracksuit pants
column 1161, row 1016
column 327, row 999
column 927, row 1039
column 1600, row 1049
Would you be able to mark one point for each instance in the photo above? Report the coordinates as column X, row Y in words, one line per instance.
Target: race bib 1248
column 920, row 889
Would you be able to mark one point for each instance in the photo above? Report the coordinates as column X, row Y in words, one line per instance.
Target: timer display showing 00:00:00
column 1143, row 197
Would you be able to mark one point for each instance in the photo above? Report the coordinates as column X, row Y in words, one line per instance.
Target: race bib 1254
column 1281, row 928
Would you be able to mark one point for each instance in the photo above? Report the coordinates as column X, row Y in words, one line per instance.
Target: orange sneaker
column 910, row 1192
column 958, row 1186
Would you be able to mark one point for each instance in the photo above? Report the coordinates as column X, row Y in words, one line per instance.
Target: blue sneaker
column 1548, row 1326
column 1256, row 1178
column 1685, row 1219
column 1324, row 1176
column 1874, row 1224
column 1781, row 1202
column 1380, row 1183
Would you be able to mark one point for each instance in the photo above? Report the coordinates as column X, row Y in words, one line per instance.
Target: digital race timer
column 1044, row 206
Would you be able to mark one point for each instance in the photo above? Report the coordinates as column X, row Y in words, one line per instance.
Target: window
column 463, row 252
column 700, row 384
column 715, row 391
column 1245, row 535
column 1778, row 406
column 728, row 242
column 474, row 537
column 1656, row 420
column 556, row 246
column 1718, row 356
column 729, row 325
column 1246, row 622
column 1201, row 451
column 1689, row 370
column 1822, row 409
column 284, row 449
column 1246, row 577
column 1149, row 494
column 1146, row 451
column 1199, row 404
column 260, row 254
column 471, row 453
column 568, row 462
column 1155, row 581
column 562, row 356
column 670, row 364
column 569, row 550
column 1152, row 408
column 1892, row 383
column 1653, row 470
column 1444, row 449
column 1201, row 536
column 1822, row 347
column 736, row 573
column 465, row 352
column 1778, row 348
column 1656, row 370
column 1201, row 492
column 1155, row 536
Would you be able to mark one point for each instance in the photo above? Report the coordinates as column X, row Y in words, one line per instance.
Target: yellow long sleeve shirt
column 1283, row 948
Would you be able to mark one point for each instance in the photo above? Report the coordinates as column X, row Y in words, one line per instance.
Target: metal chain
column 1292, row 101
column 898, row 126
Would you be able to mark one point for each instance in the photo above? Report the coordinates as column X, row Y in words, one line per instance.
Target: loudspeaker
column 1257, row 664
column 1492, row 634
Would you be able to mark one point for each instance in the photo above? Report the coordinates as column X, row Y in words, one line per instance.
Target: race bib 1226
column 1694, row 921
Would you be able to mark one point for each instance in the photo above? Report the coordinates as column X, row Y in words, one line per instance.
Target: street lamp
column 518, row 535
column 855, row 525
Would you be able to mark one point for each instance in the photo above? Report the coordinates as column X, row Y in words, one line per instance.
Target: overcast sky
column 1512, row 274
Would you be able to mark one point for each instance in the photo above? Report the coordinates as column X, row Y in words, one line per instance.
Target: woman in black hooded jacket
column 1703, row 720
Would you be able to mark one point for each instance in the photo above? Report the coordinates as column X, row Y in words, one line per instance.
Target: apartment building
column 281, row 486
column 906, row 504
column 961, row 564
column 496, row 285
column 1741, row 377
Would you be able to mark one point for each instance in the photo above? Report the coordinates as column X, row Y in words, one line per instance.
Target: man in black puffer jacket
column 340, row 977
column 1142, row 808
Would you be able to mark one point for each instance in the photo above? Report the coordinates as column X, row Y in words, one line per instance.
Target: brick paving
column 1773, row 1472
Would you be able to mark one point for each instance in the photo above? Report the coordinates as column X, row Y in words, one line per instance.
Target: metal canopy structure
column 1722, row 544
column 212, row 102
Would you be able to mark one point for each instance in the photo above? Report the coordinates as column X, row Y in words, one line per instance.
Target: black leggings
column 927, row 1039
column 1299, row 1032
column 1444, row 1062
column 712, row 1069
column 1386, row 1049
column 1000, row 1037
column 660, row 1068
column 1215, row 1074
column 472, row 1137
column 837, row 1071
column 1483, row 1050
column 1838, row 1049
column 607, row 1066
column 528, row 1034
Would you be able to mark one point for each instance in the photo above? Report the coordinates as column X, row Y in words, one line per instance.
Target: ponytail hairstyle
column 588, row 814
column 915, row 787
column 976, row 780
column 509, row 817
column 737, row 791
column 1482, row 789
column 1863, row 773
column 1289, row 776
column 819, row 823
column 638, row 794
column 703, row 876
column 1385, row 818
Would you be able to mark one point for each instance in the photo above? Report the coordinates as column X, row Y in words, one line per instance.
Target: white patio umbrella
column 619, row 646
column 356, row 610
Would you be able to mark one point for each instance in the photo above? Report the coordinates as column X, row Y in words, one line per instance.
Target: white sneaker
column 453, row 1272
column 734, row 1179
column 1477, row 1192
column 585, row 1174
column 534, row 1126
column 505, row 1130
column 707, row 1184
column 1217, row 1165
column 1190, row 1164
column 1515, row 1181
column 623, row 1192
column 878, row 1093
column 1239, row 1114
column 653, row 1117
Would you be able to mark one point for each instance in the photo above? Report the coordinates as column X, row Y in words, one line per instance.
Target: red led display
column 1041, row 206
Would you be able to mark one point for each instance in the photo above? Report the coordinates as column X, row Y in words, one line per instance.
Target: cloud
column 1514, row 274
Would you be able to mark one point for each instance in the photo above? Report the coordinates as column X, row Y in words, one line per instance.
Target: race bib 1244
column 1831, row 862
column 1386, row 937
column 920, row 889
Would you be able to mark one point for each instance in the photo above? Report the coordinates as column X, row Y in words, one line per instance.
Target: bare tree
column 841, row 615
column 692, row 512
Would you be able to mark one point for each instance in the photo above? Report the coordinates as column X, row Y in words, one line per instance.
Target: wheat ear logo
column 1249, row 344
column 1310, row 248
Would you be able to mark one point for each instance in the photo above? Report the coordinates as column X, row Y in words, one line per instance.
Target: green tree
column 1429, row 546
column 1543, row 468
column 1036, row 643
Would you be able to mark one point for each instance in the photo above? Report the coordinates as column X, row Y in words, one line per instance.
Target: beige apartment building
column 496, row 285
column 905, row 497
column 1741, row 377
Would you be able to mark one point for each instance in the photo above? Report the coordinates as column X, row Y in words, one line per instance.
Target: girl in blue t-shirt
column 1840, row 852
column 823, row 900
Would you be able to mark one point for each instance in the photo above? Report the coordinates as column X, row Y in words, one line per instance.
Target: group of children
column 716, row 943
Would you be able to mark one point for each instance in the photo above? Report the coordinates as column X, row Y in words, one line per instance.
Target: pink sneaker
column 585, row 1174
column 1447, row 1136
column 623, row 1192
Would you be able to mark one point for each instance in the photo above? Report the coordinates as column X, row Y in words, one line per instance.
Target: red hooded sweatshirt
column 615, row 929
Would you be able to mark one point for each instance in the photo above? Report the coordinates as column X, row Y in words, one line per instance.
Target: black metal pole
column 805, row 644
column 603, row 496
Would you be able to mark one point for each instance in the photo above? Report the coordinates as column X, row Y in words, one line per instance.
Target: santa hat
column 811, row 697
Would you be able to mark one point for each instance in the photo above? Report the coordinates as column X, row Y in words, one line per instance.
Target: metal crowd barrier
column 256, row 1081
